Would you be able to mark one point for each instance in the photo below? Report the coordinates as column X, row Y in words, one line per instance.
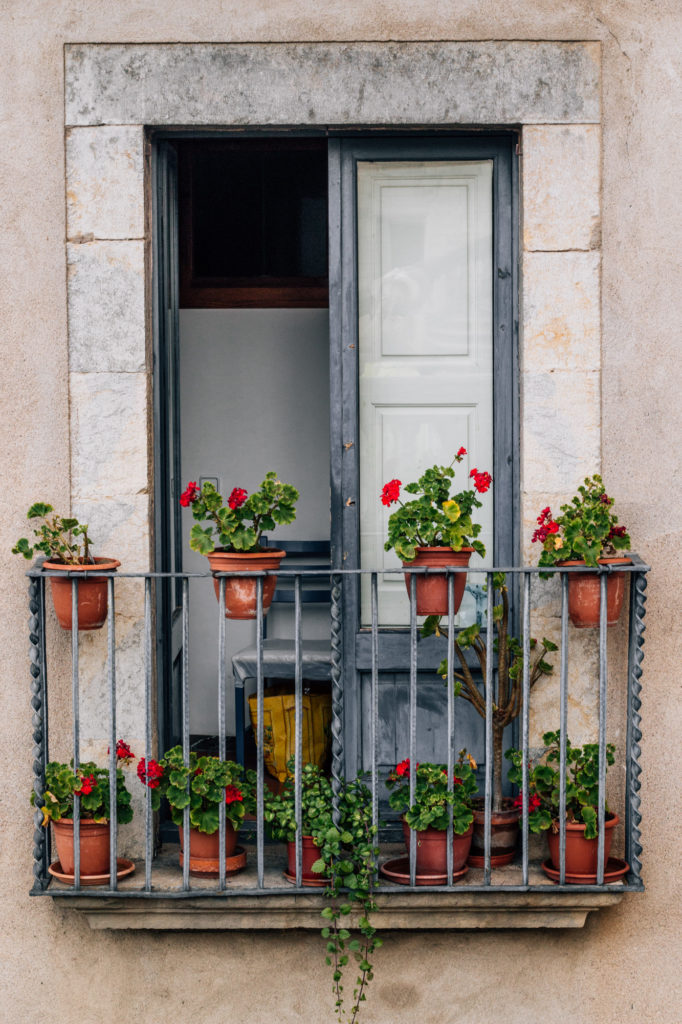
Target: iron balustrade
column 637, row 573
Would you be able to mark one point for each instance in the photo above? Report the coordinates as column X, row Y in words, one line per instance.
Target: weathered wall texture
column 613, row 970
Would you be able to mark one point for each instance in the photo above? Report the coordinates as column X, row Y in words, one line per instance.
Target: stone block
column 109, row 436
column 561, row 187
column 105, row 182
column 562, row 430
column 120, row 528
column 561, row 311
column 506, row 82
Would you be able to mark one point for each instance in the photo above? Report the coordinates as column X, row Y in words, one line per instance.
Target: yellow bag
column 279, row 727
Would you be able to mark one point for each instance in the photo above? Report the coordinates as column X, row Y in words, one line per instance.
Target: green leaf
column 201, row 540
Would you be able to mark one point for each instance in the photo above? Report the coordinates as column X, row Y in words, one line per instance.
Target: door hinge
column 518, row 149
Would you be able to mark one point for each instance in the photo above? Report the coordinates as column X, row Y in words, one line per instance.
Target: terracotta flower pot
column 204, row 851
column 309, row 854
column 504, row 833
column 584, row 594
column 241, row 591
column 581, row 853
column 432, row 854
column 432, row 589
column 92, row 593
column 94, row 846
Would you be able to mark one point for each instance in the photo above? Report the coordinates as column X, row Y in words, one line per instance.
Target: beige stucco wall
column 622, row 966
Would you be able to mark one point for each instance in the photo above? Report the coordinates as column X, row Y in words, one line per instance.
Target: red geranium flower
column 123, row 752
column 232, row 794
column 88, row 783
column 237, row 498
column 390, row 492
column 460, row 453
column 150, row 773
column 616, row 531
column 533, row 802
column 482, row 480
column 190, row 494
column 403, row 768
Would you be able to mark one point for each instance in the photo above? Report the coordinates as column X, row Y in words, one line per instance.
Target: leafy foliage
column 434, row 518
column 582, row 783
column 60, row 539
column 348, row 860
column 203, row 785
column 239, row 524
column 432, row 798
column 587, row 528
column 508, row 696
column 61, row 782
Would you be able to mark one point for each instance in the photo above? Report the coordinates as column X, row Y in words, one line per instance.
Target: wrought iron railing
column 524, row 880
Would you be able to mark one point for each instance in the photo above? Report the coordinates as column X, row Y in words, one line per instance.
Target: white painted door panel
column 425, row 340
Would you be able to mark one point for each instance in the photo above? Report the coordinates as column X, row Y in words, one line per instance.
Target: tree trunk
column 498, row 735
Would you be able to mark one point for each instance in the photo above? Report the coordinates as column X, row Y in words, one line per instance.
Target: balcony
column 160, row 894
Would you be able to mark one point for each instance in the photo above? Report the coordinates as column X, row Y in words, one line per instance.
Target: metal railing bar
column 75, row 698
column 185, row 730
column 298, row 727
column 113, row 753
column 221, row 726
column 525, row 724
column 451, row 718
column 603, row 668
column 260, row 738
column 563, row 725
column 148, row 849
column 374, row 700
column 47, row 846
column 413, row 723
column 488, row 795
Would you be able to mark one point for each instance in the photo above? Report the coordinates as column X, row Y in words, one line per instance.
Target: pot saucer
column 313, row 883
column 398, row 870
column 614, row 871
column 204, row 867
column 124, row 868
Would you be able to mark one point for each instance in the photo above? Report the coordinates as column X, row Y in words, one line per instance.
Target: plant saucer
column 614, row 871
column 124, row 868
column 398, row 870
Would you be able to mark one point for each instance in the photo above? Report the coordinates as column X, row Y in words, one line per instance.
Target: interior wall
column 254, row 396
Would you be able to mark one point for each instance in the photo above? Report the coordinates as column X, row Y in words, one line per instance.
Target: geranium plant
column 239, row 523
column 434, row 517
column 91, row 785
column 347, row 860
column 432, row 799
column 60, row 539
column 582, row 783
column 202, row 785
column 587, row 528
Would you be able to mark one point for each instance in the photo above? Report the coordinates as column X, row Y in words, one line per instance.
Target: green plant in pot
column 436, row 528
column 66, row 545
column 202, row 786
column 232, row 539
column 429, row 814
column 90, row 785
column 586, row 533
column 343, row 856
column 507, row 706
column 582, row 797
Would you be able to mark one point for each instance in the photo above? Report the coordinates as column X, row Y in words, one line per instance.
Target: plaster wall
column 612, row 970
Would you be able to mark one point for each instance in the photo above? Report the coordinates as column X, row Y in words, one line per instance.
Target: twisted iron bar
column 337, row 695
column 634, row 732
column 36, row 654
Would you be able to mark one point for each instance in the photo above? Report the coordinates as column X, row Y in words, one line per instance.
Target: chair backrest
column 303, row 555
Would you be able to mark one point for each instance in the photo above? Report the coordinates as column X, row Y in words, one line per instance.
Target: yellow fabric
column 279, row 728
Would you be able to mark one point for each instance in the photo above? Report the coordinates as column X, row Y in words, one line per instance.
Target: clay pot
column 309, row 854
column 432, row 854
column 432, row 589
column 94, row 846
column 581, row 853
column 504, row 833
column 204, row 851
column 241, row 591
column 92, row 593
column 584, row 591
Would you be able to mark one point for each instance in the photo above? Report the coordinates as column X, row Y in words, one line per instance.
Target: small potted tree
column 202, row 785
column 429, row 815
column 66, row 544
column 507, row 706
column 436, row 529
column 91, row 785
column 237, row 526
column 586, row 533
column 582, row 795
